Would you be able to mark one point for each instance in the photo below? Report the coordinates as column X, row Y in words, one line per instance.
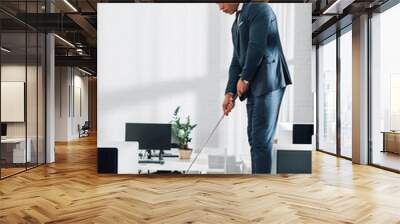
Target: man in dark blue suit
column 258, row 72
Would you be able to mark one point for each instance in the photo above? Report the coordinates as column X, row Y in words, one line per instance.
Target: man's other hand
column 228, row 104
column 241, row 87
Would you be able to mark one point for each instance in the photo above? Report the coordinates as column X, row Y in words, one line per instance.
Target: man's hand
column 228, row 104
column 241, row 87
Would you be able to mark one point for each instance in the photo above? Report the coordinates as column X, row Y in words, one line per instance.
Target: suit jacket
column 257, row 56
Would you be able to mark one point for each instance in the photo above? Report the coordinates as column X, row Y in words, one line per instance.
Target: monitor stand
column 150, row 155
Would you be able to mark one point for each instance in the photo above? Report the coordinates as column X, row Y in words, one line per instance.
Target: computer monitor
column 150, row 136
column 3, row 129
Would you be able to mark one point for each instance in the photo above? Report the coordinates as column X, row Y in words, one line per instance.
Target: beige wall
column 34, row 125
column 17, row 73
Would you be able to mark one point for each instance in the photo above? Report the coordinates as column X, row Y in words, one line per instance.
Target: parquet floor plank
column 71, row 191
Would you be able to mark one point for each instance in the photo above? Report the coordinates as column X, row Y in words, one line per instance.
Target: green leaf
column 177, row 111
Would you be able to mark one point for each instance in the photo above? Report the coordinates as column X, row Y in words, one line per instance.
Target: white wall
column 61, row 103
column 154, row 57
column 69, row 81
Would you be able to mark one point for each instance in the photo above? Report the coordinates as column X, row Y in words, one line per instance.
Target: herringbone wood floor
column 70, row 191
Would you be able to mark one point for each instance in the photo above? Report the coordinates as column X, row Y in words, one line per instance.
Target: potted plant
column 181, row 133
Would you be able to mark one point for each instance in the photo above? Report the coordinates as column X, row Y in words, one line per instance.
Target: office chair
column 84, row 130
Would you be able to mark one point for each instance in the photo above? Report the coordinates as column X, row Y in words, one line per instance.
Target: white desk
column 19, row 153
column 176, row 164
column 210, row 161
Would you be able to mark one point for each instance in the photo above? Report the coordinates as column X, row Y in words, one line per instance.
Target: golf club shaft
column 208, row 138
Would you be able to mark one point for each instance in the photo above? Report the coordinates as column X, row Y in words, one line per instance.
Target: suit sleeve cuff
column 247, row 77
column 230, row 91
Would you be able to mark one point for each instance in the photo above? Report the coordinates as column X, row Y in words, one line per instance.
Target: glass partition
column 13, row 94
column 22, row 77
column 31, row 100
column 346, row 94
column 41, row 97
column 327, row 97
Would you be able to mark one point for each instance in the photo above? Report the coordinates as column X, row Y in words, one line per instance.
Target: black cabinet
column 107, row 160
column 302, row 133
column 294, row 161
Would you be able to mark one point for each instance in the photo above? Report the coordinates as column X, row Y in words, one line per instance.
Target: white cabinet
column 128, row 157
column 18, row 148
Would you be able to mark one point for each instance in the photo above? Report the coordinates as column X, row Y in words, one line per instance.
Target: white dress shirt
column 240, row 6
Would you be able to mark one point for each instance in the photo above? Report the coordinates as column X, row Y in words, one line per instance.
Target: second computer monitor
column 149, row 135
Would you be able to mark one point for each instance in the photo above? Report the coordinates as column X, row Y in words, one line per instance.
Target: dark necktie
column 238, row 17
column 237, row 26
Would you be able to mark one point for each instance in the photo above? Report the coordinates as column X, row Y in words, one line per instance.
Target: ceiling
column 76, row 22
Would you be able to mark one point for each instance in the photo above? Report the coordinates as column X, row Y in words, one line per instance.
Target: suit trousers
column 262, row 116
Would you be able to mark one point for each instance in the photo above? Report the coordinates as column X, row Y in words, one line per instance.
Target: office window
column 346, row 94
column 327, row 96
column 385, row 89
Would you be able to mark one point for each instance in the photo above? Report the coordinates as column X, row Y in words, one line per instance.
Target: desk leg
column 384, row 143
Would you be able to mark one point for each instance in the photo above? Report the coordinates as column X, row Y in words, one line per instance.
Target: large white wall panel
column 12, row 101
column 154, row 57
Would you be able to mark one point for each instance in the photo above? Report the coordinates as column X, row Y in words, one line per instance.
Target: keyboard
column 166, row 155
column 151, row 161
